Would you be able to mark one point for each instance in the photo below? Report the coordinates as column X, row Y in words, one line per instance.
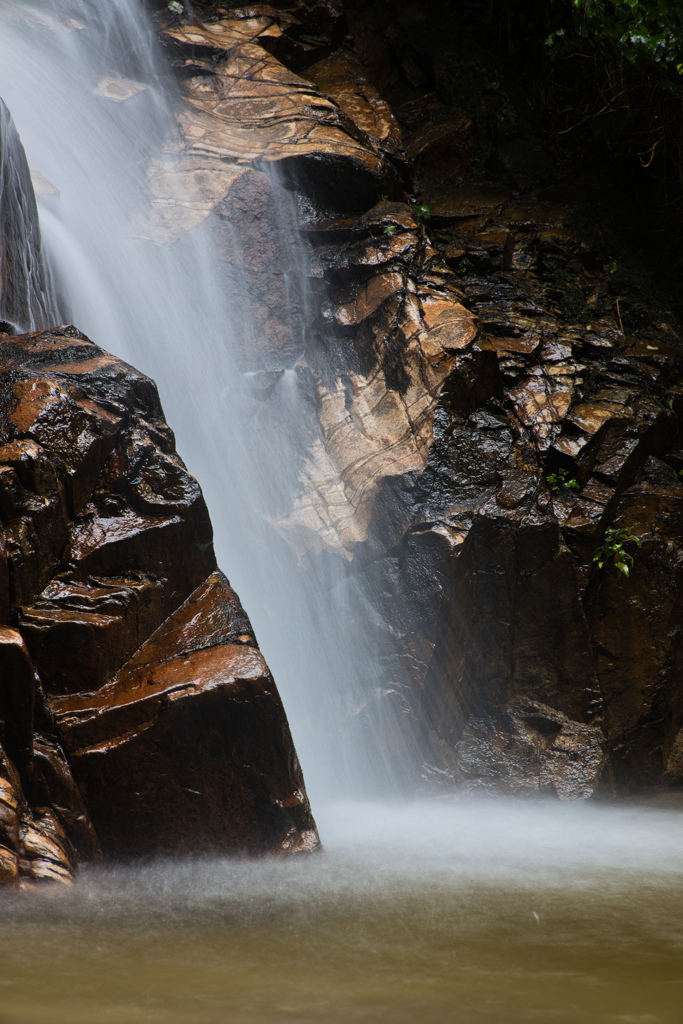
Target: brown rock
column 410, row 336
column 248, row 107
column 532, row 749
column 188, row 748
column 52, row 783
column 439, row 151
column 470, row 437
column 341, row 76
column 33, row 844
column 100, row 621
column 107, row 535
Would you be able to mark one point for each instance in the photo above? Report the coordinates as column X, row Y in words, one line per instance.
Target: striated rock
column 9, row 824
column 484, row 403
column 394, row 334
column 243, row 106
column 478, row 416
column 342, row 78
column 34, row 846
column 373, row 415
column 468, row 439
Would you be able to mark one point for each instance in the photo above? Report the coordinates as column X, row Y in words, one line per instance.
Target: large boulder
column 191, row 738
column 128, row 660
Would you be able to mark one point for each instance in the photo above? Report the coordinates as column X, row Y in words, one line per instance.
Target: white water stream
column 442, row 911
column 170, row 312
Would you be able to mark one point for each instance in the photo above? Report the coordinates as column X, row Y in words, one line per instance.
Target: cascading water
column 95, row 103
column 442, row 911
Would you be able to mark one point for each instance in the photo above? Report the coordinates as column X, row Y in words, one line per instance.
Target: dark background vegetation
column 601, row 84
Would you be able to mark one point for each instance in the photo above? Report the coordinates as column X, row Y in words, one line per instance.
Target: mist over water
column 439, row 912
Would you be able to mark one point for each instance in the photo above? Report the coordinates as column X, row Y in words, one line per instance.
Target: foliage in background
column 640, row 31
column 615, row 71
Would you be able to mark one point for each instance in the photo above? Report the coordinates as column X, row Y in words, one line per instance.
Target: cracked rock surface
column 494, row 393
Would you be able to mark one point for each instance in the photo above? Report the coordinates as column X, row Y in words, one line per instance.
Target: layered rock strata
column 138, row 714
column 490, row 445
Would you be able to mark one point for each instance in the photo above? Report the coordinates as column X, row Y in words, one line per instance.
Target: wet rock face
column 138, row 715
column 495, row 425
column 44, row 826
column 528, row 749
column 568, row 479
column 192, row 737
column 27, row 299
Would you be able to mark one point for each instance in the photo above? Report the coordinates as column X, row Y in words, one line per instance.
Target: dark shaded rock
column 17, row 695
column 256, row 237
column 342, row 77
column 484, row 405
column 98, row 620
column 51, row 783
column 27, row 299
column 482, row 418
column 529, row 749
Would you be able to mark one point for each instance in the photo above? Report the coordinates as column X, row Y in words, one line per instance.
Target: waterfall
column 95, row 104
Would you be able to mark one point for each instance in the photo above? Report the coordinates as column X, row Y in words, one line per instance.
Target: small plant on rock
column 613, row 551
column 562, row 481
column 390, row 229
column 422, row 211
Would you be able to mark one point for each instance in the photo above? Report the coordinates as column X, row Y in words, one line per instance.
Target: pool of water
column 432, row 912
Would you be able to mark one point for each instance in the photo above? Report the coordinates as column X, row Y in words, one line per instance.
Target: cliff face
column 495, row 400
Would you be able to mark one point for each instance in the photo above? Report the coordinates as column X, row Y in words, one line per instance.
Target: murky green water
column 426, row 913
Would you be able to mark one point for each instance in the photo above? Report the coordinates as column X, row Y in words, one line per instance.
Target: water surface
column 435, row 912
